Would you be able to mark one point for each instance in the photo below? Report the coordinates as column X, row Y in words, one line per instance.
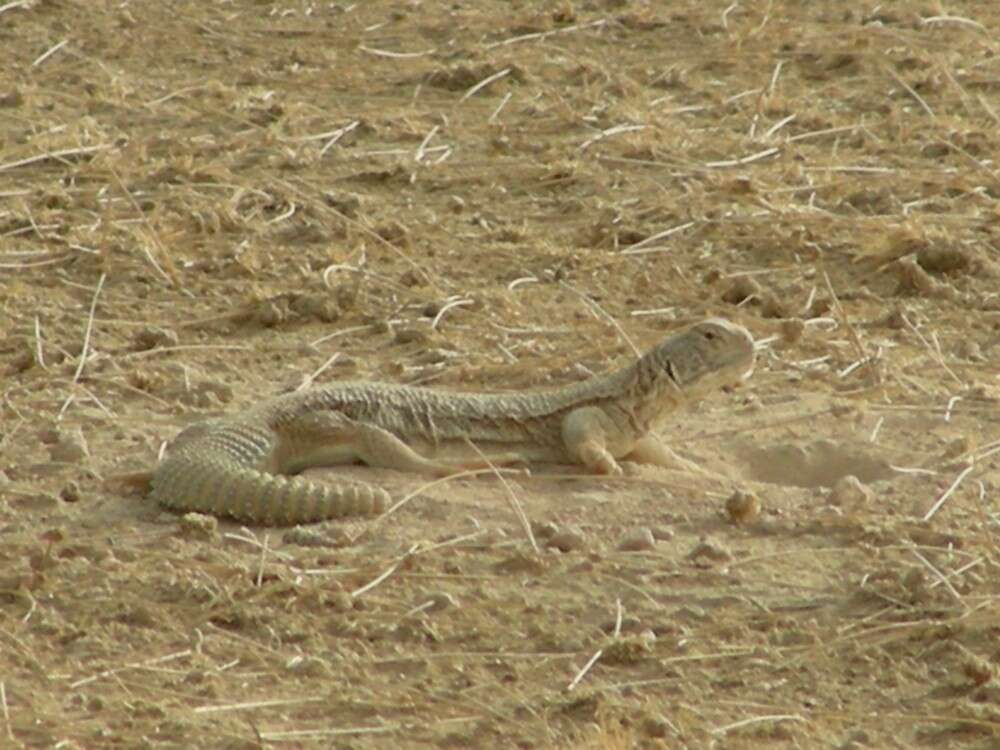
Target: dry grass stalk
column 305, row 734
column 935, row 20
column 910, row 90
column 134, row 665
column 583, row 671
column 49, row 52
column 863, row 357
column 153, row 234
column 6, row 710
column 54, row 156
column 503, row 103
column 546, row 34
column 743, row 160
column 252, row 705
column 616, row 130
column 310, row 379
column 757, row 720
column 264, row 548
column 935, row 351
column 395, row 55
column 373, row 525
column 512, row 498
column 643, row 246
column 385, row 574
column 947, row 493
column 941, row 578
column 85, row 348
column 484, row 83
column 451, row 304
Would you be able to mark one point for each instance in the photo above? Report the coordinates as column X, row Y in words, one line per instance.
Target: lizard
column 235, row 466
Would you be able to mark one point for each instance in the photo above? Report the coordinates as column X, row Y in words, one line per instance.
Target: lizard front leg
column 649, row 450
column 587, row 434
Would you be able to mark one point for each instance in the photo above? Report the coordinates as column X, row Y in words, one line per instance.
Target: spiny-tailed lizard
column 232, row 466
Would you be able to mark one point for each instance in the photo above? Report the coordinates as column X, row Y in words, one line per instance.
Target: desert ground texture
column 206, row 204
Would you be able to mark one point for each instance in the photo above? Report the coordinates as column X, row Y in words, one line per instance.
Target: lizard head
column 707, row 355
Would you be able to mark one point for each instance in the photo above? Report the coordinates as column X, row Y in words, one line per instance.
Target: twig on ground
column 586, row 668
column 643, row 246
column 154, row 236
column 6, row 710
column 132, row 665
column 263, row 559
column 84, row 350
column 53, row 155
column 947, row 493
column 308, row 380
column 852, row 333
column 485, row 82
column 757, row 720
column 512, row 497
column 546, row 34
column 395, row 55
column 385, row 574
column 49, row 52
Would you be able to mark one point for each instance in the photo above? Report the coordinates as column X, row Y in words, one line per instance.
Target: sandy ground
column 204, row 204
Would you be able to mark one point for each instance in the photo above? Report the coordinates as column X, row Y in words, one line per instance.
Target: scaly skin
column 231, row 467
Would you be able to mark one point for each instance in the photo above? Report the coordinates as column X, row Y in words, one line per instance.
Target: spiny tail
column 203, row 484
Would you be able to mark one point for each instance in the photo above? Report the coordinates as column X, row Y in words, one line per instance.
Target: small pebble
column 629, row 624
column 709, row 552
column 639, row 539
column 153, row 337
column 656, row 726
column 410, row 336
column 310, row 666
column 199, row 526
column 849, row 491
column 742, row 288
column 544, row 530
column 791, row 330
column 70, row 493
column 567, row 540
column 772, row 306
column 440, row 601
column 977, row 669
column 70, row 447
column 662, row 533
column 626, row 650
column 267, row 314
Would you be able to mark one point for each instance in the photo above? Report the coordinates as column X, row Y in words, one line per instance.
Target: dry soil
column 204, row 204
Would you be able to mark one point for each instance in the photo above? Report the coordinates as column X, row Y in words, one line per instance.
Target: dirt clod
column 742, row 507
column 848, row 491
column 567, row 540
column 639, row 539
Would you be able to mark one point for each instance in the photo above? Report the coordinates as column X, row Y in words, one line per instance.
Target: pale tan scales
column 232, row 467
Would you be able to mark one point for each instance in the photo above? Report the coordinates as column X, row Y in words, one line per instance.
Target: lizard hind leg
column 329, row 438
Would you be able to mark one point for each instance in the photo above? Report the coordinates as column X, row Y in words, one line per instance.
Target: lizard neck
column 648, row 392
column 642, row 390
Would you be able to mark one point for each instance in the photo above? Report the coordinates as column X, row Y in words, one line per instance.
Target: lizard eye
column 710, row 335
